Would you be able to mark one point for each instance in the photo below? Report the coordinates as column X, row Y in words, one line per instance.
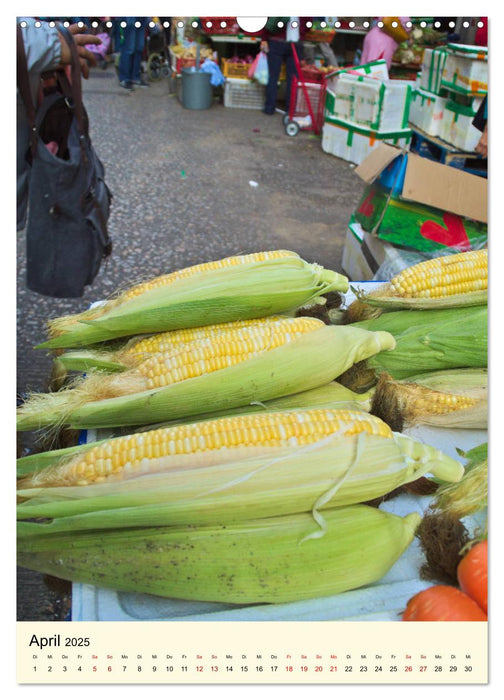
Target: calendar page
column 291, row 488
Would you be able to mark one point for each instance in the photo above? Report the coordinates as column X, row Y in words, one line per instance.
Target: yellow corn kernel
column 444, row 276
column 162, row 342
column 131, row 455
column 223, row 350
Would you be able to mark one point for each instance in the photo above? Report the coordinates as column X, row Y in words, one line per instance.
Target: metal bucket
column 197, row 92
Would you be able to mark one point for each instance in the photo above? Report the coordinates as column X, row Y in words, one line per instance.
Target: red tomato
column 472, row 574
column 442, row 603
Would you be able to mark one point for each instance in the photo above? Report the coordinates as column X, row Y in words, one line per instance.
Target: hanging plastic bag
column 261, row 72
column 253, row 66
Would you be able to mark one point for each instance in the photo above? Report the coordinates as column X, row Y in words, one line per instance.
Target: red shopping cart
column 307, row 101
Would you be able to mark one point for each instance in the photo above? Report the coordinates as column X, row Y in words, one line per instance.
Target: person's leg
column 127, row 48
column 137, row 56
column 274, row 65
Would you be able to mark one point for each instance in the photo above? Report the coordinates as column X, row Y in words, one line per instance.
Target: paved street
column 181, row 181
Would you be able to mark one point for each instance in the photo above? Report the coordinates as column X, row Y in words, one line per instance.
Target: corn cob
column 452, row 280
column 426, row 341
column 311, row 360
column 271, row 560
column 226, row 469
column 451, row 398
column 332, row 395
column 235, row 288
column 136, row 349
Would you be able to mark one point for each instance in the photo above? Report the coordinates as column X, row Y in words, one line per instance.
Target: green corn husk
column 216, row 486
column 449, row 398
column 307, row 362
column 248, row 290
column 87, row 359
column 332, row 395
column 273, row 560
column 426, row 341
column 470, row 495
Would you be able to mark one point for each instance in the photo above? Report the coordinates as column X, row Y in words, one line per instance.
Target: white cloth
column 292, row 33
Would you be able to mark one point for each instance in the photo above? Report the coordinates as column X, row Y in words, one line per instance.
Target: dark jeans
column 131, row 49
column 278, row 52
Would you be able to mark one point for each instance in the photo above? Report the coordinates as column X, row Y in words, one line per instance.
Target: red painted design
column 367, row 206
column 452, row 234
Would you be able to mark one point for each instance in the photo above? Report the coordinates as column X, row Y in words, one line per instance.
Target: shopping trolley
column 307, row 102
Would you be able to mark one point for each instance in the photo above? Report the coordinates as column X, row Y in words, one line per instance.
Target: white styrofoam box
column 376, row 104
column 432, row 69
column 469, row 51
column 354, row 144
column 457, row 128
column 375, row 69
column 355, row 265
column 358, row 100
column 465, row 74
column 396, row 104
column 426, row 111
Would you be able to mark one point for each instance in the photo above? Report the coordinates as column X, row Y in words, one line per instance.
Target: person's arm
column 86, row 57
column 482, row 145
column 46, row 49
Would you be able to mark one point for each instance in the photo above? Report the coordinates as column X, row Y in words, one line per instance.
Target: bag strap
column 76, row 80
column 72, row 87
column 23, row 84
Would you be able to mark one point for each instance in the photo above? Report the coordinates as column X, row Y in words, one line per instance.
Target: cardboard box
column 432, row 69
column 421, row 204
column 366, row 257
column 382, row 105
column 457, row 127
column 354, row 143
column 426, row 111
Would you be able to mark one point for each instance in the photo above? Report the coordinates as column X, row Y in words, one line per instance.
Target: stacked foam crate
column 364, row 108
column 428, row 103
column 465, row 83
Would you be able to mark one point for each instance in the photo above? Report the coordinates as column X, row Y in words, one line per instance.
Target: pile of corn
column 437, row 312
column 247, row 475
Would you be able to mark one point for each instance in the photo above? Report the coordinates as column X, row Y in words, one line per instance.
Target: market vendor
column 277, row 42
column 382, row 42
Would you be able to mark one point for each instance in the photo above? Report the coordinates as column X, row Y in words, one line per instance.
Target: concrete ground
column 184, row 192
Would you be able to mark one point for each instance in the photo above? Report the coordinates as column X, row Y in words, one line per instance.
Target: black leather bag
column 69, row 202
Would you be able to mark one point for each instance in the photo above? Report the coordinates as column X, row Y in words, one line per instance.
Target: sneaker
column 141, row 83
column 126, row 85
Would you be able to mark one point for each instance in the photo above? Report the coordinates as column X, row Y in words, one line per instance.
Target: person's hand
column 86, row 57
column 482, row 145
column 264, row 46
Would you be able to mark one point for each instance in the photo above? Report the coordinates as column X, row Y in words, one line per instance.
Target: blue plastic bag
column 216, row 76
